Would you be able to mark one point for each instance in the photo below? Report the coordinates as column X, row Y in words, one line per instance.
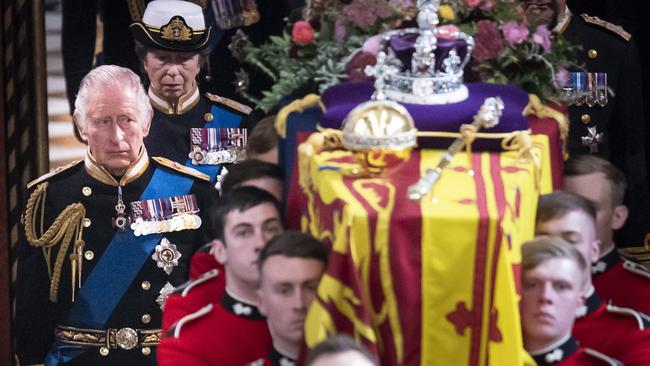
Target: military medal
column 163, row 215
column 590, row 97
column 578, row 88
column 120, row 221
column 601, row 88
column 166, row 255
column 212, row 146
column 592, row 139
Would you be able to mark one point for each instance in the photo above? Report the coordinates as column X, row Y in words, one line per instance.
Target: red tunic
column 617, row 332
column 228, row 333
column 623, row 282
column 192, row 296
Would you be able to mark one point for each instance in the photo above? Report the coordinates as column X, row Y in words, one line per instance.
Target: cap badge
column 176, row 30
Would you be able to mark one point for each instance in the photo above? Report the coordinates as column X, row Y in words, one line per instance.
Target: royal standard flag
column 430, row 282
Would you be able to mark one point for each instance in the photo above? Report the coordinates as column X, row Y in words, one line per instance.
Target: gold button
column 146, row 285
column 89, row 255
column 592, row 53
column 86, row 191
column 146, row 318
column 208, row 117
column 146, row 351
column 585, row 118
column 87, row 222
column 103, row 351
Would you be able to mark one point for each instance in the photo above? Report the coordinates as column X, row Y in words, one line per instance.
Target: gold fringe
column 536, row 108
column 69, row 223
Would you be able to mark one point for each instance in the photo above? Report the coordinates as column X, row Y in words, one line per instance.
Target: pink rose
column 514, row 33
column 488, row 40
column 562, row 76
column 542, row 37
column 473, row 3
column 372, row 45
column 487, row 5
column 302, row 33
column 447, row 30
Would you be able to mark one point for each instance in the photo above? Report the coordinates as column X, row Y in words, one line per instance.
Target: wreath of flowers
column 337, row 39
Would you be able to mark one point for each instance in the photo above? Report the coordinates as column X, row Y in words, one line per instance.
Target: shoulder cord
column 68, row 223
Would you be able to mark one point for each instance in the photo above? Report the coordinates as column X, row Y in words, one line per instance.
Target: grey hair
column 107, row 76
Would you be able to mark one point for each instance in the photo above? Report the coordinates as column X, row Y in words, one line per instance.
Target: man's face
column 287, row 288
column 596, row 188
column 113, row 128
column 172, row 74
column 271, row 185
column 550, row 298
column 542, row 12
column 575, row 227
column 245, row 234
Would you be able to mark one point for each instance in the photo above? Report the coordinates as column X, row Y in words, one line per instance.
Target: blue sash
column 222, row 119
column 116, row 269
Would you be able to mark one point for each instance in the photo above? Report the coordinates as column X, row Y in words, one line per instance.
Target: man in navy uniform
column 618, row 332
column 606, row 105
column 106, row 239
column 201, row 131
column 229, row 330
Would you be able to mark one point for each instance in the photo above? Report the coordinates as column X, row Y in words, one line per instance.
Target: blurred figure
column 340, row 350
column 290, row 266
column 263, row 141
column 624, row 282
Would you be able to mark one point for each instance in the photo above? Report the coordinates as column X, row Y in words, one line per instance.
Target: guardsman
column 290, row 266
column 552, row 292
column 206, row 285
column 106, row 239
column 605, row 103
column 621, row 333
column 201, row 131
column 230, row 330
column 623, row 281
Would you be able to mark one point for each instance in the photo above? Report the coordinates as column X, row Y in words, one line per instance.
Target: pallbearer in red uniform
column 619, row 332
column 231, row 331
column 290, row 266
column 624, row 282
column 553, row 279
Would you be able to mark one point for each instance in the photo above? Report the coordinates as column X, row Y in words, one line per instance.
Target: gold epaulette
column 229, row 103
column 52, row 173
column 181, row 168
column 603, row 357
column 607, row 25
column 175, row 330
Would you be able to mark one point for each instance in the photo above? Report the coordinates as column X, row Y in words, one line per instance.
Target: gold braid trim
column 298, row 105
column 536, row 108
column 68, row 223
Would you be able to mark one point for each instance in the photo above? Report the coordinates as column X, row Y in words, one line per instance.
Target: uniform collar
column 240, row 307
column 592, row 303
column 556, row 352
column 606, row 262
column 563, row 22
column 279, row 359
column 185, row 102
column 131, row 173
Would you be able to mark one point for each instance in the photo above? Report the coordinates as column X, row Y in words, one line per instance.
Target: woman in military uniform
column 202, row 131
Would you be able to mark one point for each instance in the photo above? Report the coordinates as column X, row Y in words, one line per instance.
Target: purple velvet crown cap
column 404, row 47
column 340, row 99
